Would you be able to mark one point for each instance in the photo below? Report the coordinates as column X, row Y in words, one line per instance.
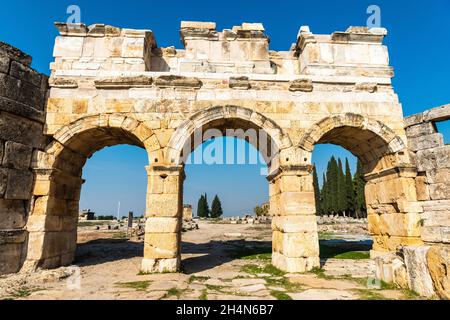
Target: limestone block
column 426, row 141
column 13, row 213
column 17, row 155
column 19, row 184
column 198, row 25
column 436, row 234
column 10, row 257
column 294, row 224
column 394, row 243
column 400, row 224
column 303, row 85
column 25, row 73
column 420, row 129
column 68, row 47
column 3, row 181
column 162, row 225
column 163, row 205
column 21, row 130
column 437, row 114
column 4, row 64
column 439, row 191
column 419, row 277
column 296, row 245
column 297, row 265
column 297, row 203
column 391, row 269
column 160, row 265
column 422, row 188
column 161, row 245
column 438, row 262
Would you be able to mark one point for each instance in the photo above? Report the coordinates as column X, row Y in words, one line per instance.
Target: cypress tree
column 332, row 188
column 216, row 208
column 341, row 191
column 323, row 197
column 359, row 184
column 202, row 208
column 316, row 192
column 349, row 192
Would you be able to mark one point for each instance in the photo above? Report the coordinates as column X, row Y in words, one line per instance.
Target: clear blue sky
column 418, row 41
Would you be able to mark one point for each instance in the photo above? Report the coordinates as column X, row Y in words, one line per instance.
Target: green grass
column 22, row 292
column 256, row 269
column 280, row 295
column 174, row 292
column 257, row 253
column 320, row 273
column 285, row 283
column 214, row 287
column 367, row 294
column 355, row 255
column 119, row 235
column 326, row 235
column 137, row 285
column 204, row 295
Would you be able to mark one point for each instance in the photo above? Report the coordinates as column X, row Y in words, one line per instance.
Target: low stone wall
column 22, row 100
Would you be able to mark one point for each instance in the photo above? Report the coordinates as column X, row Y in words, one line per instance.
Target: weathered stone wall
column 22, row 117
column 432, row 158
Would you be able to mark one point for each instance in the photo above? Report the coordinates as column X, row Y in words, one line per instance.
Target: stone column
column 295, row 239
column 163, row 219
column 393, row 212
column 52, row 224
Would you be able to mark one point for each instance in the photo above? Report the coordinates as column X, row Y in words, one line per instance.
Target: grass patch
column 367, row 294
column 280, row 295
column 355, row 255
column 257, row 253
column 119, row 235
column 326, row 235
column 22, row 293
column 137, row 285
column 174, row 292
column 320, row 273
column 410, row 294
column 285, row 283
column 204, row 295
column 256, row 269
column 214, row 287
column 198, row 278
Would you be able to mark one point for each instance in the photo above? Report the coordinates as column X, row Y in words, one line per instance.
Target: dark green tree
column 349, row 191
column 216, row 208
column 317, row 192
column 358, row 185
column 332, row 186
column 203, row 208
column 341, row 190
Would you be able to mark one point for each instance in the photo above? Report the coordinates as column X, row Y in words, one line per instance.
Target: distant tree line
column 203, row 210
column 341, row 193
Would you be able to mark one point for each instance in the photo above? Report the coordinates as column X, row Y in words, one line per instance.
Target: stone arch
column 222, row 118
column 366, row 138
column 52, row 224
column 391, row 199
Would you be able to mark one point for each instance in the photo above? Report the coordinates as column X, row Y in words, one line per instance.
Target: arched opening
column 52, row 224
column 390, row 194
column 166, row 180
column 234, row 171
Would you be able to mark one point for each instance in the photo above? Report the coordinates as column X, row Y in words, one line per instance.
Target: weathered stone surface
column 177, row 81
column 438, row 262
column 17, row 155
column 303, row 85
column 418, row 274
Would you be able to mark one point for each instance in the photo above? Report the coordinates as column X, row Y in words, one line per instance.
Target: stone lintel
column 239, row 83
column 178, row 81
column 360, row 34
column 406, row 171
column 63, row 83
column 162, row 169
column 297, row 170
column 123, row 82
column 303, row 85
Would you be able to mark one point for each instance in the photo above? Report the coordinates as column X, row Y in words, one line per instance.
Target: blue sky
column 418, row 41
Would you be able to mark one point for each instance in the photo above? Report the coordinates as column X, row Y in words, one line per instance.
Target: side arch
column 223, row 117
column 366, row 138
column 52, row 224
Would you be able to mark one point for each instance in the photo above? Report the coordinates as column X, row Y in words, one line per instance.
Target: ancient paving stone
column 323, row 294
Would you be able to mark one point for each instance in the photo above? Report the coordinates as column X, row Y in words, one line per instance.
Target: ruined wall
column 432, row 159
column 22, row 99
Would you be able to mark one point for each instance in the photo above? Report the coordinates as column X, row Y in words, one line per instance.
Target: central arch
column 162, row 245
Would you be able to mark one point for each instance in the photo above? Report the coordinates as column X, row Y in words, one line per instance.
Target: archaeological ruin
column 112, row 86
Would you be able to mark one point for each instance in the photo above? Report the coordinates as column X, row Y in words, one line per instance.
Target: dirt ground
column 219, row 261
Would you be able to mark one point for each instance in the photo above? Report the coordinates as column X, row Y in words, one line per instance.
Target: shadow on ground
column 209, row 254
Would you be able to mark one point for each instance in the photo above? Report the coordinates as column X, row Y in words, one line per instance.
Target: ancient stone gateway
column 112, row 86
